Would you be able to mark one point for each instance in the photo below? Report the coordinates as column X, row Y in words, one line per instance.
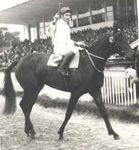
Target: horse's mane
column 98, row 41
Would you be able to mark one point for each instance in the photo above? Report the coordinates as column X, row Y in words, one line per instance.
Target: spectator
column 89, row 36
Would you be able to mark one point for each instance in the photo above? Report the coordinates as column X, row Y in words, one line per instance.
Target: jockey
column 63, row 44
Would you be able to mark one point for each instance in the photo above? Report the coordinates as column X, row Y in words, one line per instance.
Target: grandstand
column 93, row 14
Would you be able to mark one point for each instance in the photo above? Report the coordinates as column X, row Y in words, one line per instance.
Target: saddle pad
column 55, row 60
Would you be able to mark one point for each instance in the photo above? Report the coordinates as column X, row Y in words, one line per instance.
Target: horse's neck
column 100, row 47
column 88, row 62
column 100, row 53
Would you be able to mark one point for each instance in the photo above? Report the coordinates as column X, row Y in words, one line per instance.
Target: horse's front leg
column 98, row 100
column 72, row 103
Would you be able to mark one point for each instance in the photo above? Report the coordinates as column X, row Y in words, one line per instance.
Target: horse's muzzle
column 130, row 55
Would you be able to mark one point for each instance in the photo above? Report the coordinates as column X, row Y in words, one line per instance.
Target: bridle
column 98, row 57
column 102, row 58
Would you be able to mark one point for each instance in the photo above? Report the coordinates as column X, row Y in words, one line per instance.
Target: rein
column 93, row 64
column 95, row 55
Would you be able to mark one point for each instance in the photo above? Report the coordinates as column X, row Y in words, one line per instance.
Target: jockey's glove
column 56, row 17
column 80, row 44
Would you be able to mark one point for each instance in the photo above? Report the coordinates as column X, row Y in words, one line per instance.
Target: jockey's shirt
column 62, row 41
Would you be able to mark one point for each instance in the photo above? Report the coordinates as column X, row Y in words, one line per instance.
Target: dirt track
column 83, row 132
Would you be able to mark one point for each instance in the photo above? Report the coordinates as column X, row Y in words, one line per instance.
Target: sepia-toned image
column 69, row 75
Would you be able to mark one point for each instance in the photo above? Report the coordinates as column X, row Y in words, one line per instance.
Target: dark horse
column 32, row 74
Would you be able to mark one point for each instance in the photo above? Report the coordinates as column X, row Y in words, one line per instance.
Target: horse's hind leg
column 72, row 103
column 26, row 104
column 98, row 100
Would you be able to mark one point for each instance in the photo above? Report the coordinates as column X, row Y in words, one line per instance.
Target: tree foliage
column 8, row 38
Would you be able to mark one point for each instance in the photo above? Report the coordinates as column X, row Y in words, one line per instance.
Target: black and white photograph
column 69, row 74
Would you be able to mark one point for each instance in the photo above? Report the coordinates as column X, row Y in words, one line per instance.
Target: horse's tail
column 8, row 91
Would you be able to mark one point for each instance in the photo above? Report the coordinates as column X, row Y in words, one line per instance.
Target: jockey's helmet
column 65, row 10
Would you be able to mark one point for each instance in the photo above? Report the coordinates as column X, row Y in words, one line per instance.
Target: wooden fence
column 118, row 89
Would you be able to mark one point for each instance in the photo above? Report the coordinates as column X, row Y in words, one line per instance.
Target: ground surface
column 83, row 132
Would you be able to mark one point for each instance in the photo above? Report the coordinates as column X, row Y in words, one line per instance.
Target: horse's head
column 120, row 45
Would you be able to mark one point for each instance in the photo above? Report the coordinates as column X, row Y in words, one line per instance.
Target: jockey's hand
column 81, row 44
column 56, row 17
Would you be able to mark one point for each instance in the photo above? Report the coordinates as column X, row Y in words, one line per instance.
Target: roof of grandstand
column 34, row 11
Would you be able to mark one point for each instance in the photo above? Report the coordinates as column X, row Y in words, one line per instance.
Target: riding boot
column 63, row 68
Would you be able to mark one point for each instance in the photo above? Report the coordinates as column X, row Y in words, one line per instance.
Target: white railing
column 118, row 89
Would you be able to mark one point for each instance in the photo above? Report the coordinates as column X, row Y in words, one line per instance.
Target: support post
column 105, row 7
column 77, row 19
column 38, row 30
column 90, row 15
column 29, row 32
column 138, row 16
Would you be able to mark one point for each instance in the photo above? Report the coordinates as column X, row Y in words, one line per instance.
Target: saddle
column 55, row 60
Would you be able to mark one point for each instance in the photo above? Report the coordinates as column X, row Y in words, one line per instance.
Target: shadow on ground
column 125, row 113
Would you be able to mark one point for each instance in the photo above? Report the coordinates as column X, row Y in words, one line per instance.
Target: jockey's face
column 66, row 17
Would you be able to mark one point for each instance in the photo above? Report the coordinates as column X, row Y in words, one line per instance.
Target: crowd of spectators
column 89, row 36
column 23, row 48
column 45, row 45
column 131, row 33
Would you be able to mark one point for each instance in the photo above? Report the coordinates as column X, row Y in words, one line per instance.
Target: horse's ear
column 117, row 27
column 111, row 39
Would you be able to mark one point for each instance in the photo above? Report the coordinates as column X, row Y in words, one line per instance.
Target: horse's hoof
column 60, row 133
column 116, row 137
column 32, row 135
column 60, row 137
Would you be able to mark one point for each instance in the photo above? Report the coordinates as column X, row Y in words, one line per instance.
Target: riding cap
column 65, row 10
